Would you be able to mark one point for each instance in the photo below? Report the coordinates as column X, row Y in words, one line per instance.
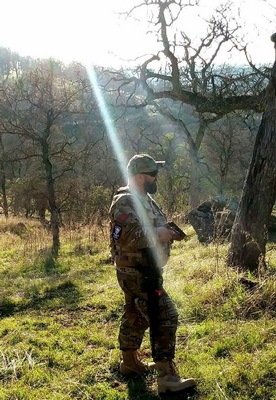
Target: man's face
column 150, row 183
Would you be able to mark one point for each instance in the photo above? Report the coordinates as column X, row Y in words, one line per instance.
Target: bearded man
column 140, row 243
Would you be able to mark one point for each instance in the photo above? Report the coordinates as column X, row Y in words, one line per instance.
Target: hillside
column 59, row 320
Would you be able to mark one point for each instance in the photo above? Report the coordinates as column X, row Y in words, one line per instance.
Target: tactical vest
column 123, row 254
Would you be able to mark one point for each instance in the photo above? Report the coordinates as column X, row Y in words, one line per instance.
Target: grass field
column 59, row 320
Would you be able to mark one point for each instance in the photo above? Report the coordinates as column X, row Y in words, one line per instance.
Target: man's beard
column 150, row 187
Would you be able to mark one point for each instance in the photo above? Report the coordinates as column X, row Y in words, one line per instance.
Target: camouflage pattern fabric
column 128, row 237
column 127, row 231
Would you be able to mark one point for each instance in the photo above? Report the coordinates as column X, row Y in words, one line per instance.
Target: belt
column 126, row 270
column 130, row 260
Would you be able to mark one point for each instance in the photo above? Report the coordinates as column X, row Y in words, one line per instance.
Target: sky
column 92, row 31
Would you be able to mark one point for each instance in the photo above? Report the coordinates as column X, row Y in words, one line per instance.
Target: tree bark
column 3, row 190
column 51, row 192
column 3, row 181
column 249, row 233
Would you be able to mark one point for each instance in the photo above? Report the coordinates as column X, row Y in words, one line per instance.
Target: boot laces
column 139, row 359
column 173, row 371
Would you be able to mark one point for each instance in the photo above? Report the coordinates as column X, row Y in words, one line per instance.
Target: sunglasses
column 153, row 173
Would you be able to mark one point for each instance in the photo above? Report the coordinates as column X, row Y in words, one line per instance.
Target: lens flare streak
column 149, row 231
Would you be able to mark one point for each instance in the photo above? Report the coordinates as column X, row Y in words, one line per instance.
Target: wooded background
column 57, row 162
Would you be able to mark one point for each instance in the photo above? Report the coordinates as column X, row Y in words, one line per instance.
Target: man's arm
column 127, row 230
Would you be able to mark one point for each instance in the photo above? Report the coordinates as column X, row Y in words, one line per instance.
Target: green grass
column 59, row 321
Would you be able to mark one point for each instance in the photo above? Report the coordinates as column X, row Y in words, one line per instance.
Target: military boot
column 168, row 380
column 132, row 365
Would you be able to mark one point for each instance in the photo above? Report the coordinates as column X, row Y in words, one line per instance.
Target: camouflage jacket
column 133, row 219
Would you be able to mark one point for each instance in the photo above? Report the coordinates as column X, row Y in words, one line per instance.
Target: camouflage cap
column 143, row 163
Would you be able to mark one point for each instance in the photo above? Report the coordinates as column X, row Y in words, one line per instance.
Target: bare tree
column 37, row 107
column 184, row 72
column 3, row 179
column 212, row 93
column 249, row 233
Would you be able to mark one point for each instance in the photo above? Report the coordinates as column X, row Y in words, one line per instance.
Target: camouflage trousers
column 135, row 319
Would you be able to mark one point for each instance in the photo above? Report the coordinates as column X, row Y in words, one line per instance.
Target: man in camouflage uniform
column 137, row 226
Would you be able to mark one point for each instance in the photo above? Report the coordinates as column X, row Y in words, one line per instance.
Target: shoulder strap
column 123, row 189
column 156, row 206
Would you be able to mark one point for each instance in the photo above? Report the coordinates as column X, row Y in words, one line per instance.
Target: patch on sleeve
column 123, row 217
column 117, row 230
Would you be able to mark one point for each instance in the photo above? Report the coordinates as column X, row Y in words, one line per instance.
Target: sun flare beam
column 111, row 131
column 119, row 152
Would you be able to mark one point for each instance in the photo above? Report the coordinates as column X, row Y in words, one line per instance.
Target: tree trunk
column 249, row 233
column 194, row 146
column 51, row 198
column 4, row 193
column 3, row 181
column 194, row 193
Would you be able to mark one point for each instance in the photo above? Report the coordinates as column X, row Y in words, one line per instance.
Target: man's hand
column 164, row 234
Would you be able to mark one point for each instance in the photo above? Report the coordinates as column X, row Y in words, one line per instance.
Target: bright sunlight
column 96, row 31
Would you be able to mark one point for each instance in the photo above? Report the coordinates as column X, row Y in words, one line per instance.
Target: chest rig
column 128, row 255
